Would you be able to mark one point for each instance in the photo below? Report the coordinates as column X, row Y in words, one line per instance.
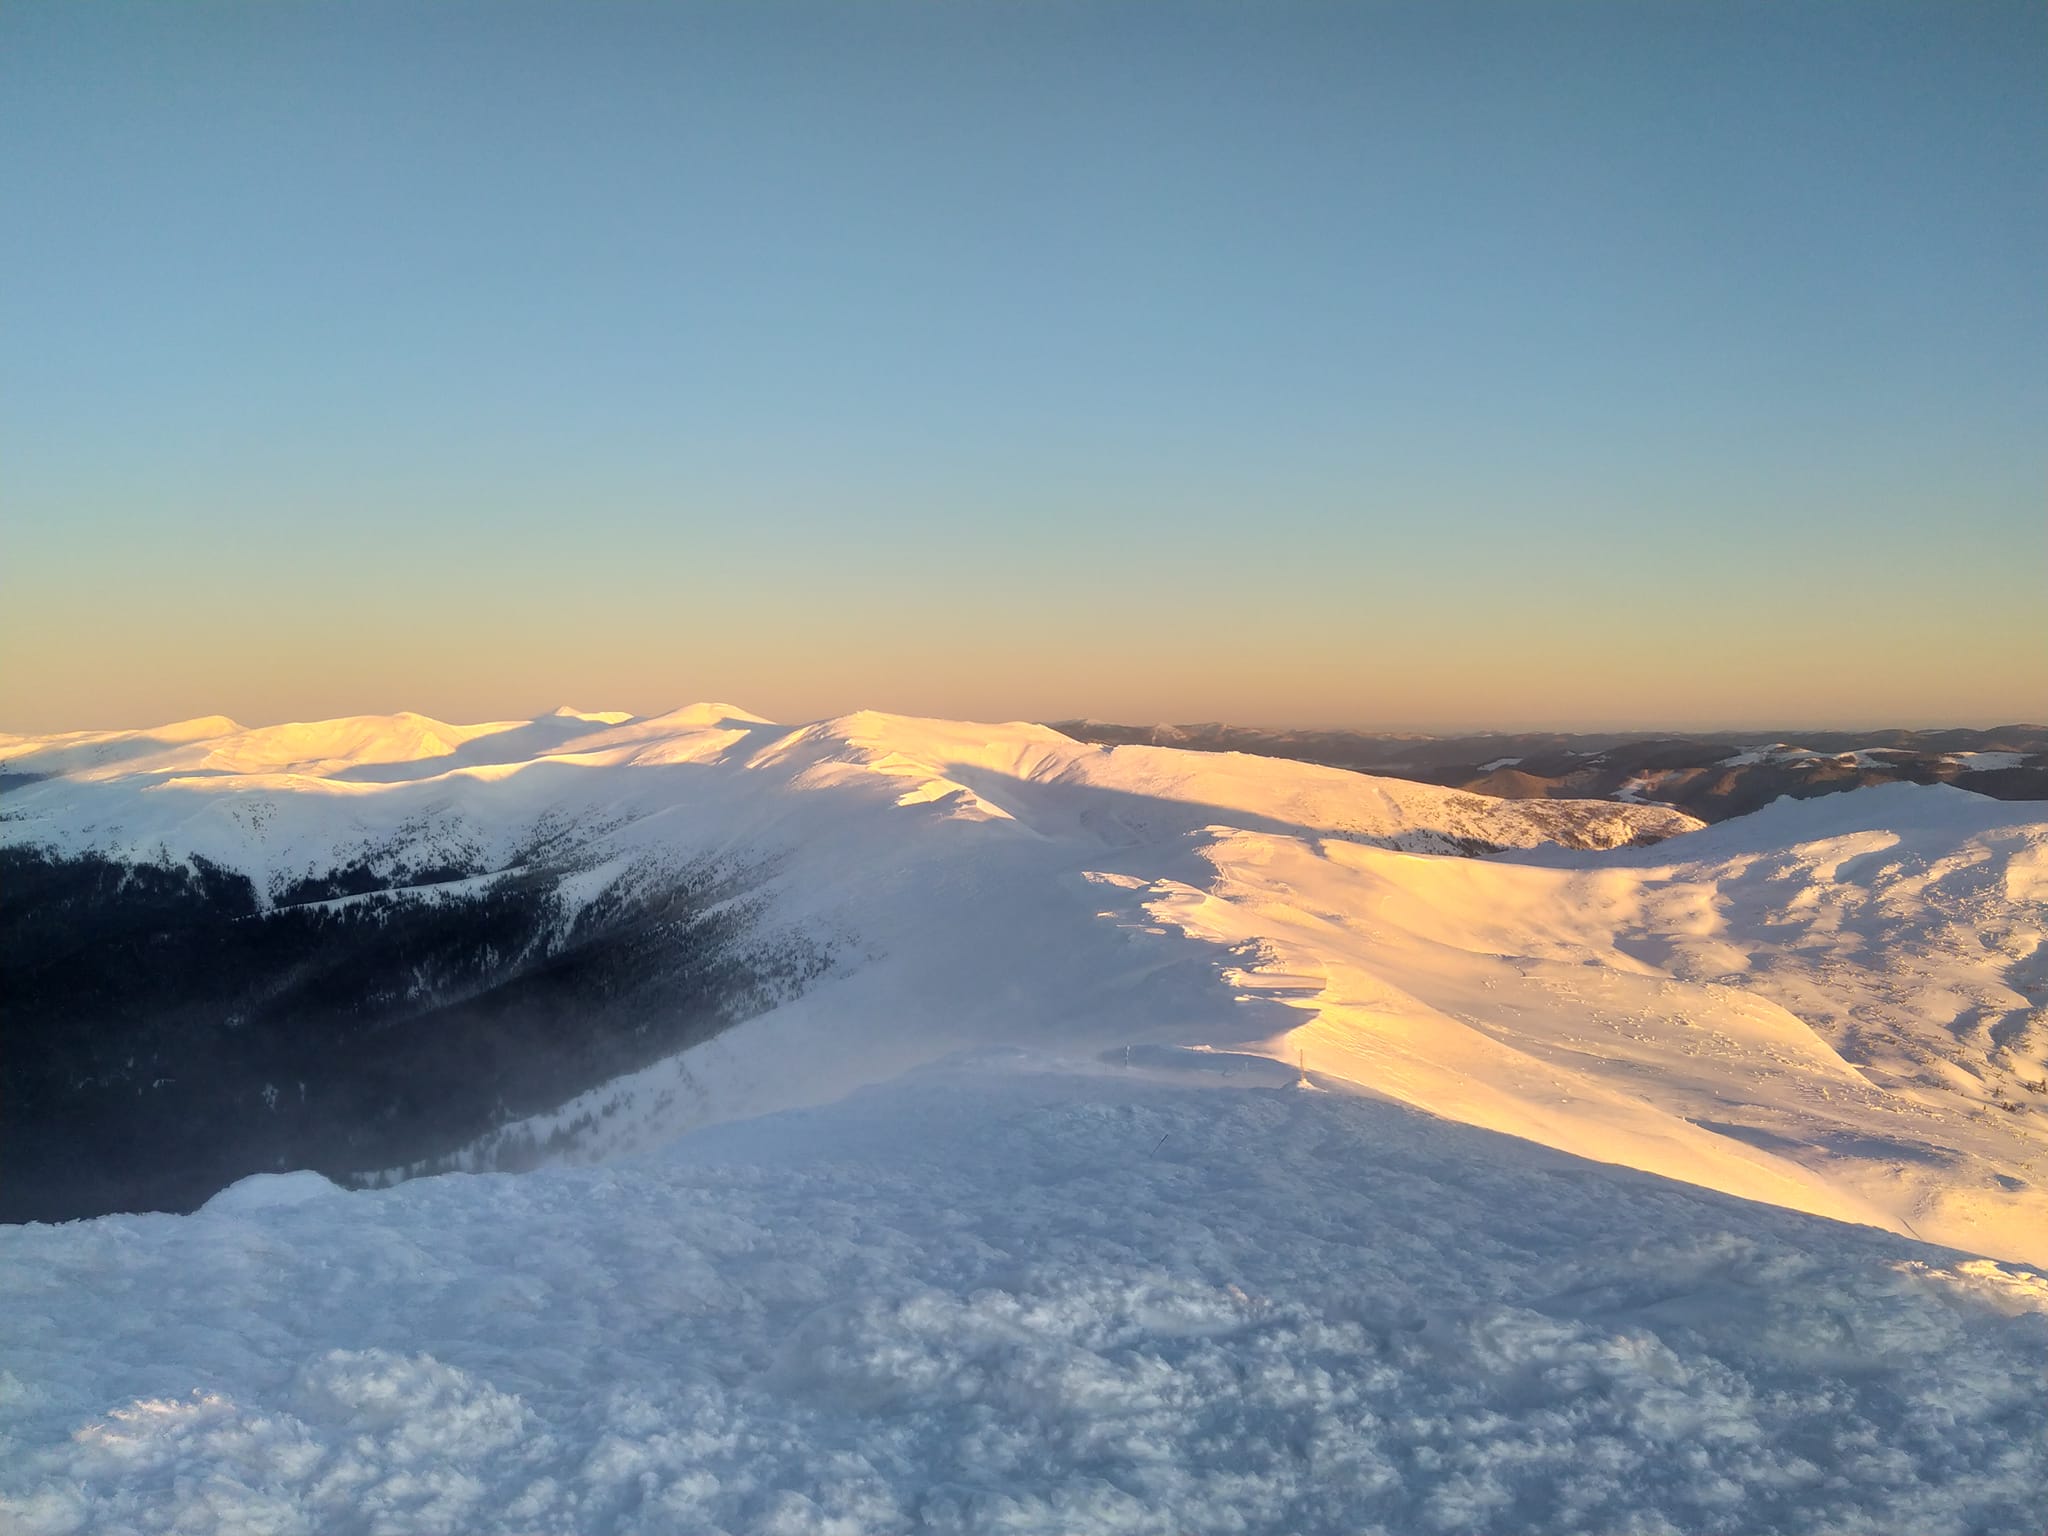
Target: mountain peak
column 712, row 714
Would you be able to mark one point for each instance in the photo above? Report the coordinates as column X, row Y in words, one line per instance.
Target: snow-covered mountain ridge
column 957, row 1128
column 1710, row 776
column 204, row 786
column 1831, row 1005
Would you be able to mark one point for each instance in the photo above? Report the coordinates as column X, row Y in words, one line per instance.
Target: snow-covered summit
column 357, row 783
column 216, row 744
column 896, row 746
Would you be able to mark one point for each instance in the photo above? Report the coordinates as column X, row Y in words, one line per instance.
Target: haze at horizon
column 1395, row 367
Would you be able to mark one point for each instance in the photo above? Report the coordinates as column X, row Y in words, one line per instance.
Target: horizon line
column 1780, row 732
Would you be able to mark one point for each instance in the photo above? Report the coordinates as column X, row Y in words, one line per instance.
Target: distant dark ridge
column 1700, row 774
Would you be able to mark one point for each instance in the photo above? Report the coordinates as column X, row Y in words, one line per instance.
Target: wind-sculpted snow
column 392, row 942
column 1834, row 1004
column 1838, row 1008
column 1140, row 1279
column 1021, row 1296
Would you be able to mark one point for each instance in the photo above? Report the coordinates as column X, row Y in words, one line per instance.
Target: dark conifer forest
column 167, row 1031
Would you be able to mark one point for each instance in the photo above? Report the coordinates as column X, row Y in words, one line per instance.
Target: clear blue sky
column 1417, row 365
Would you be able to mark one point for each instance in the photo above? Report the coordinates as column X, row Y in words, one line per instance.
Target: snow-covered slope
column 1833, row 1005
column 1085, row 1183
column 1712, row 777
column 210, row 787
column 1020, row 1295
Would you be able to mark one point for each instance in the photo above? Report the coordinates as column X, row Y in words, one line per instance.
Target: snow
column 262, row 1191
column 1775, row 752
column 1606, row 1216
column 1023, row 1294
column 1499, row 762
column 1833, row 1004
column 1685, row 1008
column 1869, row 757
column 1987, row 762
column 269, row 803
column 218, row 745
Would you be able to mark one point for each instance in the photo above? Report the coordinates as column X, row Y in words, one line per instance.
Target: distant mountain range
column 1712, row 777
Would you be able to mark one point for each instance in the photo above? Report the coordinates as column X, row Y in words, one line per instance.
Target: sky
column 1404, row 366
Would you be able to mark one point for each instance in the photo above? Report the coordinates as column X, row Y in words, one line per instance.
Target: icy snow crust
column 1023, row 1295
column 1141, row 1280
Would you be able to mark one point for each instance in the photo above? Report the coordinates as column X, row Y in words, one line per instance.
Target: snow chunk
column 267, row 1191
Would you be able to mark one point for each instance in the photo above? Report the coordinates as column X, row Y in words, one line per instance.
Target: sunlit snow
column 1022, row 1220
